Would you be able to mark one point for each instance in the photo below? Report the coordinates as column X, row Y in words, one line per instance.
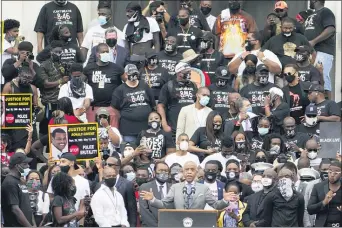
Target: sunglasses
column 279, row 10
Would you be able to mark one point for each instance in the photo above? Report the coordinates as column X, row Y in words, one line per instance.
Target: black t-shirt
column 297, row 103
column 187, row 38
column 155, row 79
column 103, row 80
column 169, row 62
column 201, row 140
column 299, row 139
column 255, row 95
column 157, row 142
column 196, row 19
column 52, row 15
column 68, row 208
column 315, row 25
column 70, row 53
column 334, row 215
column 284, row 47
column 219, row 98
column 311, row 131
column 14, row 192
column 134, row 104
column 278, row 116
column 328, row 108
column 256, row 142
column 309, row 74
column 210, row 62
column 174, row 97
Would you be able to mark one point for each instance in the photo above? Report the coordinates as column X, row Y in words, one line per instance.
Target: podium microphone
column 185, row 198
column 193, row 190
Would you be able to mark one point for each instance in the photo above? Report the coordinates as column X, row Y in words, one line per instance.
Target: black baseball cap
column 222, row 72
column 19, row 158
column 311, row 110
column 262, row 68
column 303, row 48
column 156, row 4
column 149, row 55
column 316, row 88
column 71, row 157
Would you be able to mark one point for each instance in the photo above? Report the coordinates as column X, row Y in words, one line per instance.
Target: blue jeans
column 129, row 139
column 327, row 62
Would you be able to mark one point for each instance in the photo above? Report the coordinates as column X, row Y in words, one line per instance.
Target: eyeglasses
column 279, row 10
column 333, row 172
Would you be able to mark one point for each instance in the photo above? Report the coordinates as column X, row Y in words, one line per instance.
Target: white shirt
column 65, row 91
column 4, row 56
column 268, row 54
column 154, row 27
column 111, row 146
column 56, row 153
column 164, row 188
column 96, row 35
column 82, row 189
column 174, row 158
column 211, row 21
column 213, row 189
column 221, row 159
column 43, row 207
column 109, row 208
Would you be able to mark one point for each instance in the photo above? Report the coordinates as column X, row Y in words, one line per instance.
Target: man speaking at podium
column 188, row 194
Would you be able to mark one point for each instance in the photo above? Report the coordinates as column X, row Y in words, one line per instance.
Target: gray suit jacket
column 149, row 214
column 175, row 198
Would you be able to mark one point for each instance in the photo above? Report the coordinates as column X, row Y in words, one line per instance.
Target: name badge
column 101, row 85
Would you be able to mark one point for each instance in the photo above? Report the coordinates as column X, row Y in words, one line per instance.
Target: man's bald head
column 311, row 144
column 303, row 163
column 289, row 120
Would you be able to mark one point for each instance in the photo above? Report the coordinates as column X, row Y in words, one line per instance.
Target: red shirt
column 5, row 157
column 137, row 198
column 70, row 119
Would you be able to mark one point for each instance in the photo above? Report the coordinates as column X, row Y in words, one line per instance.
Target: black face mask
column 290, row 78
column 133, row 77
column 60, row 2
column 66, row 38
column 141, row 181
column 217, row 127
column 235, row 6
column 210, row 176
column 110, row 182
column 183, row 21
column 240, row 146
column 152, row 61
column 263, row 80
column 55, row 58
column 154, row 125
column 221, row 82
column 323, row 175
column 160, row 17
column 260, row 159
column 111, row 42
column 230, row 176
column 250, row 70
column 65, row 169
column 170, row 48
column 249, row 46
column 205, row 10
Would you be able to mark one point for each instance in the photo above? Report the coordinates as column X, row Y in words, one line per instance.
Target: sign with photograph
column 79, row 139
column 16, row 110
column 329, row 139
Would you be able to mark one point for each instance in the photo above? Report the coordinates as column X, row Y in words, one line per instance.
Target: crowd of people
column 187, row 104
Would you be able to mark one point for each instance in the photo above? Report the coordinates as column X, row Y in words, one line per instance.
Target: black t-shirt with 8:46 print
column 134, row 104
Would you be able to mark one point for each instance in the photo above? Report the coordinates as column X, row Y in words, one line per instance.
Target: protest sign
column 330, row 139
column 79, row 139
column 16, row 110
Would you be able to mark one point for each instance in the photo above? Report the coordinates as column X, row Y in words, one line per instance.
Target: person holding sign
column 59, row 142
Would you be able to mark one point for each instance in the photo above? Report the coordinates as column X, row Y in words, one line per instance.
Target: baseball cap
column 316, row 88
column 303, row 48
column 182, row 66
column 102, row 111
column 261, row 166
column 156, row 4
column 131, row 69
column 308, row 172
column 222, row 72
column 71, row 157
column 262, row 68
column 311, row 110
column 280, row 5
column 149, row 55
column 19, row 158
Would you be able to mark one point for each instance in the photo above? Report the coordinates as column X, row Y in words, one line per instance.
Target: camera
column 67, row 67
column 105, row 153
column 282, row 158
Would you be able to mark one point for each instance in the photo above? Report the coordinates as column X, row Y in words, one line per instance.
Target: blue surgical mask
column 204, row 101
column 24, row 172
column 263, row 130
column 102, row 20
column 130, row 176
column 105, row 57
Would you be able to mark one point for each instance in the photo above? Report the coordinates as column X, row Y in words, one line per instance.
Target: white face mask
column 130, row 176
column 256, row 186
column 285, row 188
column 311, row 121
column 105, row 57
column 287, row 34
column 266, row 181
column 134, row 17
column 184, row 145
column 312, row 154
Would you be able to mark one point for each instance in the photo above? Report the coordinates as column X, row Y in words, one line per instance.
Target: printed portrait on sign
column 58, row 141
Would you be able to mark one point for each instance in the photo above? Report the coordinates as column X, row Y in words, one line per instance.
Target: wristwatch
column 263, row 59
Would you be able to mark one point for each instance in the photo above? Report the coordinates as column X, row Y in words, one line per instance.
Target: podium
column 187, row 218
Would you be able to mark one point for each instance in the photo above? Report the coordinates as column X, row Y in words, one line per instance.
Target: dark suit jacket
column 220, row 189
column 121, row 58
column 315, row 205
column 126, row 189
column 149, row 214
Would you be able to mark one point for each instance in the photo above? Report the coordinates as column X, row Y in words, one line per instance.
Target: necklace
column 185, row 39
